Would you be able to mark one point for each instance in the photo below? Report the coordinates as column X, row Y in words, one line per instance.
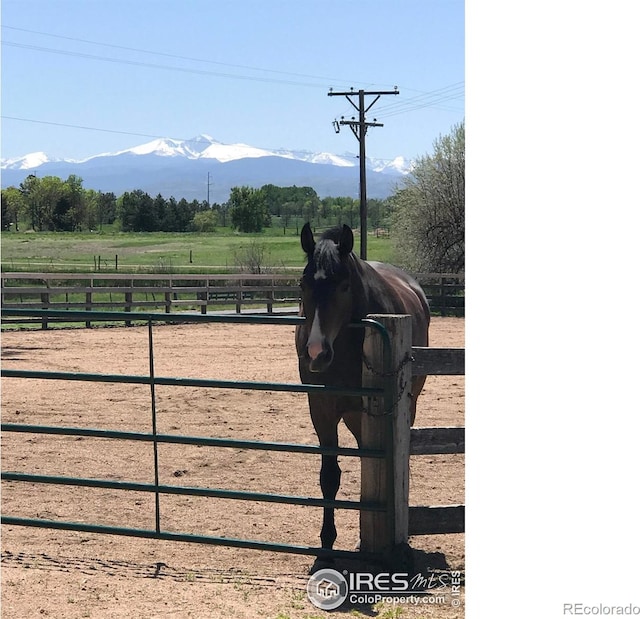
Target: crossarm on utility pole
column 359, row 128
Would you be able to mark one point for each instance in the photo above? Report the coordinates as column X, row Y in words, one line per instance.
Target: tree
column 61, row 216
column 205, row 221
column 126, row 208
column 428, row 209
column 106, row 208
column 12, row 207
column 160, row 212
column 52, row 198
column 183, row 215
column 29, row 188
column 376, row 212
column 274, row 199
column 91, row 220
column 145, row 219
column 248, row 209
column 77, row 198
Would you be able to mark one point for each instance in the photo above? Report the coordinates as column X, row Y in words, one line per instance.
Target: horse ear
column 306, row 240
column 346, row 241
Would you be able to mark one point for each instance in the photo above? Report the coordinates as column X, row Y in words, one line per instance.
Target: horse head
column 327, row 292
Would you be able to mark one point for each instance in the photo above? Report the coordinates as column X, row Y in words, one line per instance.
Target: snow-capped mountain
column 177, row 167
column 201, row 147
column 28, row 162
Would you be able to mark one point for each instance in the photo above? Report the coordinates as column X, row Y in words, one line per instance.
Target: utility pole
column 359, row 128
column 208, row 185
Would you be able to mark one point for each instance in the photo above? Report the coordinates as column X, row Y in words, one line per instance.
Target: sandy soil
column 65, row 574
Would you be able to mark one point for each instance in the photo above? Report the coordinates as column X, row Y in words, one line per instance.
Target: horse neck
column 365, row 285
column 375, row 294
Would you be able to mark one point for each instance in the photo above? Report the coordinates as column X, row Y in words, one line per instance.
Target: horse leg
column 329, row 482
column 325, row 421
column 353, row 421
column 416, row 389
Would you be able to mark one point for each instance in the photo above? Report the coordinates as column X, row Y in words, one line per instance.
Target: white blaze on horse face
column 320, row 274
column 314, row 343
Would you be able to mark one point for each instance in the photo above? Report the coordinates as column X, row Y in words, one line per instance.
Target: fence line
column 178, row 292
column 386, row 518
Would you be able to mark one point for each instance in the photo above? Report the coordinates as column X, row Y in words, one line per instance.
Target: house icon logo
column 327, row 589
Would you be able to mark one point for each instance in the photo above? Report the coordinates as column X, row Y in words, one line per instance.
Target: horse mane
column 327, row 258
column 326, row 255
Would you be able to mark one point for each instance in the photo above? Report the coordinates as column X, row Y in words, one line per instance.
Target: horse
column 338, row 288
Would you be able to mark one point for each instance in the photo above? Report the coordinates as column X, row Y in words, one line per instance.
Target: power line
column 177, row 56
column 427, row 99
column 56, row 124
column 457, row 88
column 168, row 55
column 332, row 80
column 149, row 65
column 430, row 104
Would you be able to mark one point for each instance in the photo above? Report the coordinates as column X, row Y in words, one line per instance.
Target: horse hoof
column 321, row 563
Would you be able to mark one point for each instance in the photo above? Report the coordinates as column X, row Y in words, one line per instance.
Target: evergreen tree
column 145, row 219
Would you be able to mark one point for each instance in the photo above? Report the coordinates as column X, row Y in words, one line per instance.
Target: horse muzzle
column 320, row 355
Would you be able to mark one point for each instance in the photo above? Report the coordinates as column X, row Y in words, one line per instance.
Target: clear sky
column 250, row 71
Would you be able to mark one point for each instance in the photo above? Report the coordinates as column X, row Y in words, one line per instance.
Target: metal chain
column 407, row 359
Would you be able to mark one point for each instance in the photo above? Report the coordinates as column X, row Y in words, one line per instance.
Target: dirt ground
column 62, row 574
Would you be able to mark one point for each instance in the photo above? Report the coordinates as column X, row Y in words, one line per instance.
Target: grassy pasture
column 157, row 251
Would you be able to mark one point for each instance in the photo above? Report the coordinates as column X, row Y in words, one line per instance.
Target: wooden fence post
column 44, row 300
column 88, row 302
column 128, row 302
column 386, row 425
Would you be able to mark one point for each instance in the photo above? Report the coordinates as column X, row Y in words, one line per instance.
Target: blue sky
column 239, row 70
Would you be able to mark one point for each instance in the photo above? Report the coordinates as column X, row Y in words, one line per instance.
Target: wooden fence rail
column 437, row 519
column 179, row 292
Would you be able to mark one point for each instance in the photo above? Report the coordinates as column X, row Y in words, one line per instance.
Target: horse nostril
column 322, row 361
column 314, row 349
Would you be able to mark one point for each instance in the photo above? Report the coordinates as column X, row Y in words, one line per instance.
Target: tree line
column 50, row 204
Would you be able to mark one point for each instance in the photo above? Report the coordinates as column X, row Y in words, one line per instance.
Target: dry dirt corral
column 65, row 574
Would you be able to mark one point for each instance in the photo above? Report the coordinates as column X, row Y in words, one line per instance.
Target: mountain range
column 182, row 168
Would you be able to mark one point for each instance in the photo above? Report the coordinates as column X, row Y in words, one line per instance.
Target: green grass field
column 158, row 251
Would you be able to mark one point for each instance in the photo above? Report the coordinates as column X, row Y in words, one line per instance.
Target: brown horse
column 339, row 288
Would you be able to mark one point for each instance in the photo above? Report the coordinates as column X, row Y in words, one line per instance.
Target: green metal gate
column 386, row 391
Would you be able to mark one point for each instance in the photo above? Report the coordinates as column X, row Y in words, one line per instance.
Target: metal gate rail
column 155, row 438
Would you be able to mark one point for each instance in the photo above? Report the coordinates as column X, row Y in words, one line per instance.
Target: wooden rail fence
column 179, row 292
